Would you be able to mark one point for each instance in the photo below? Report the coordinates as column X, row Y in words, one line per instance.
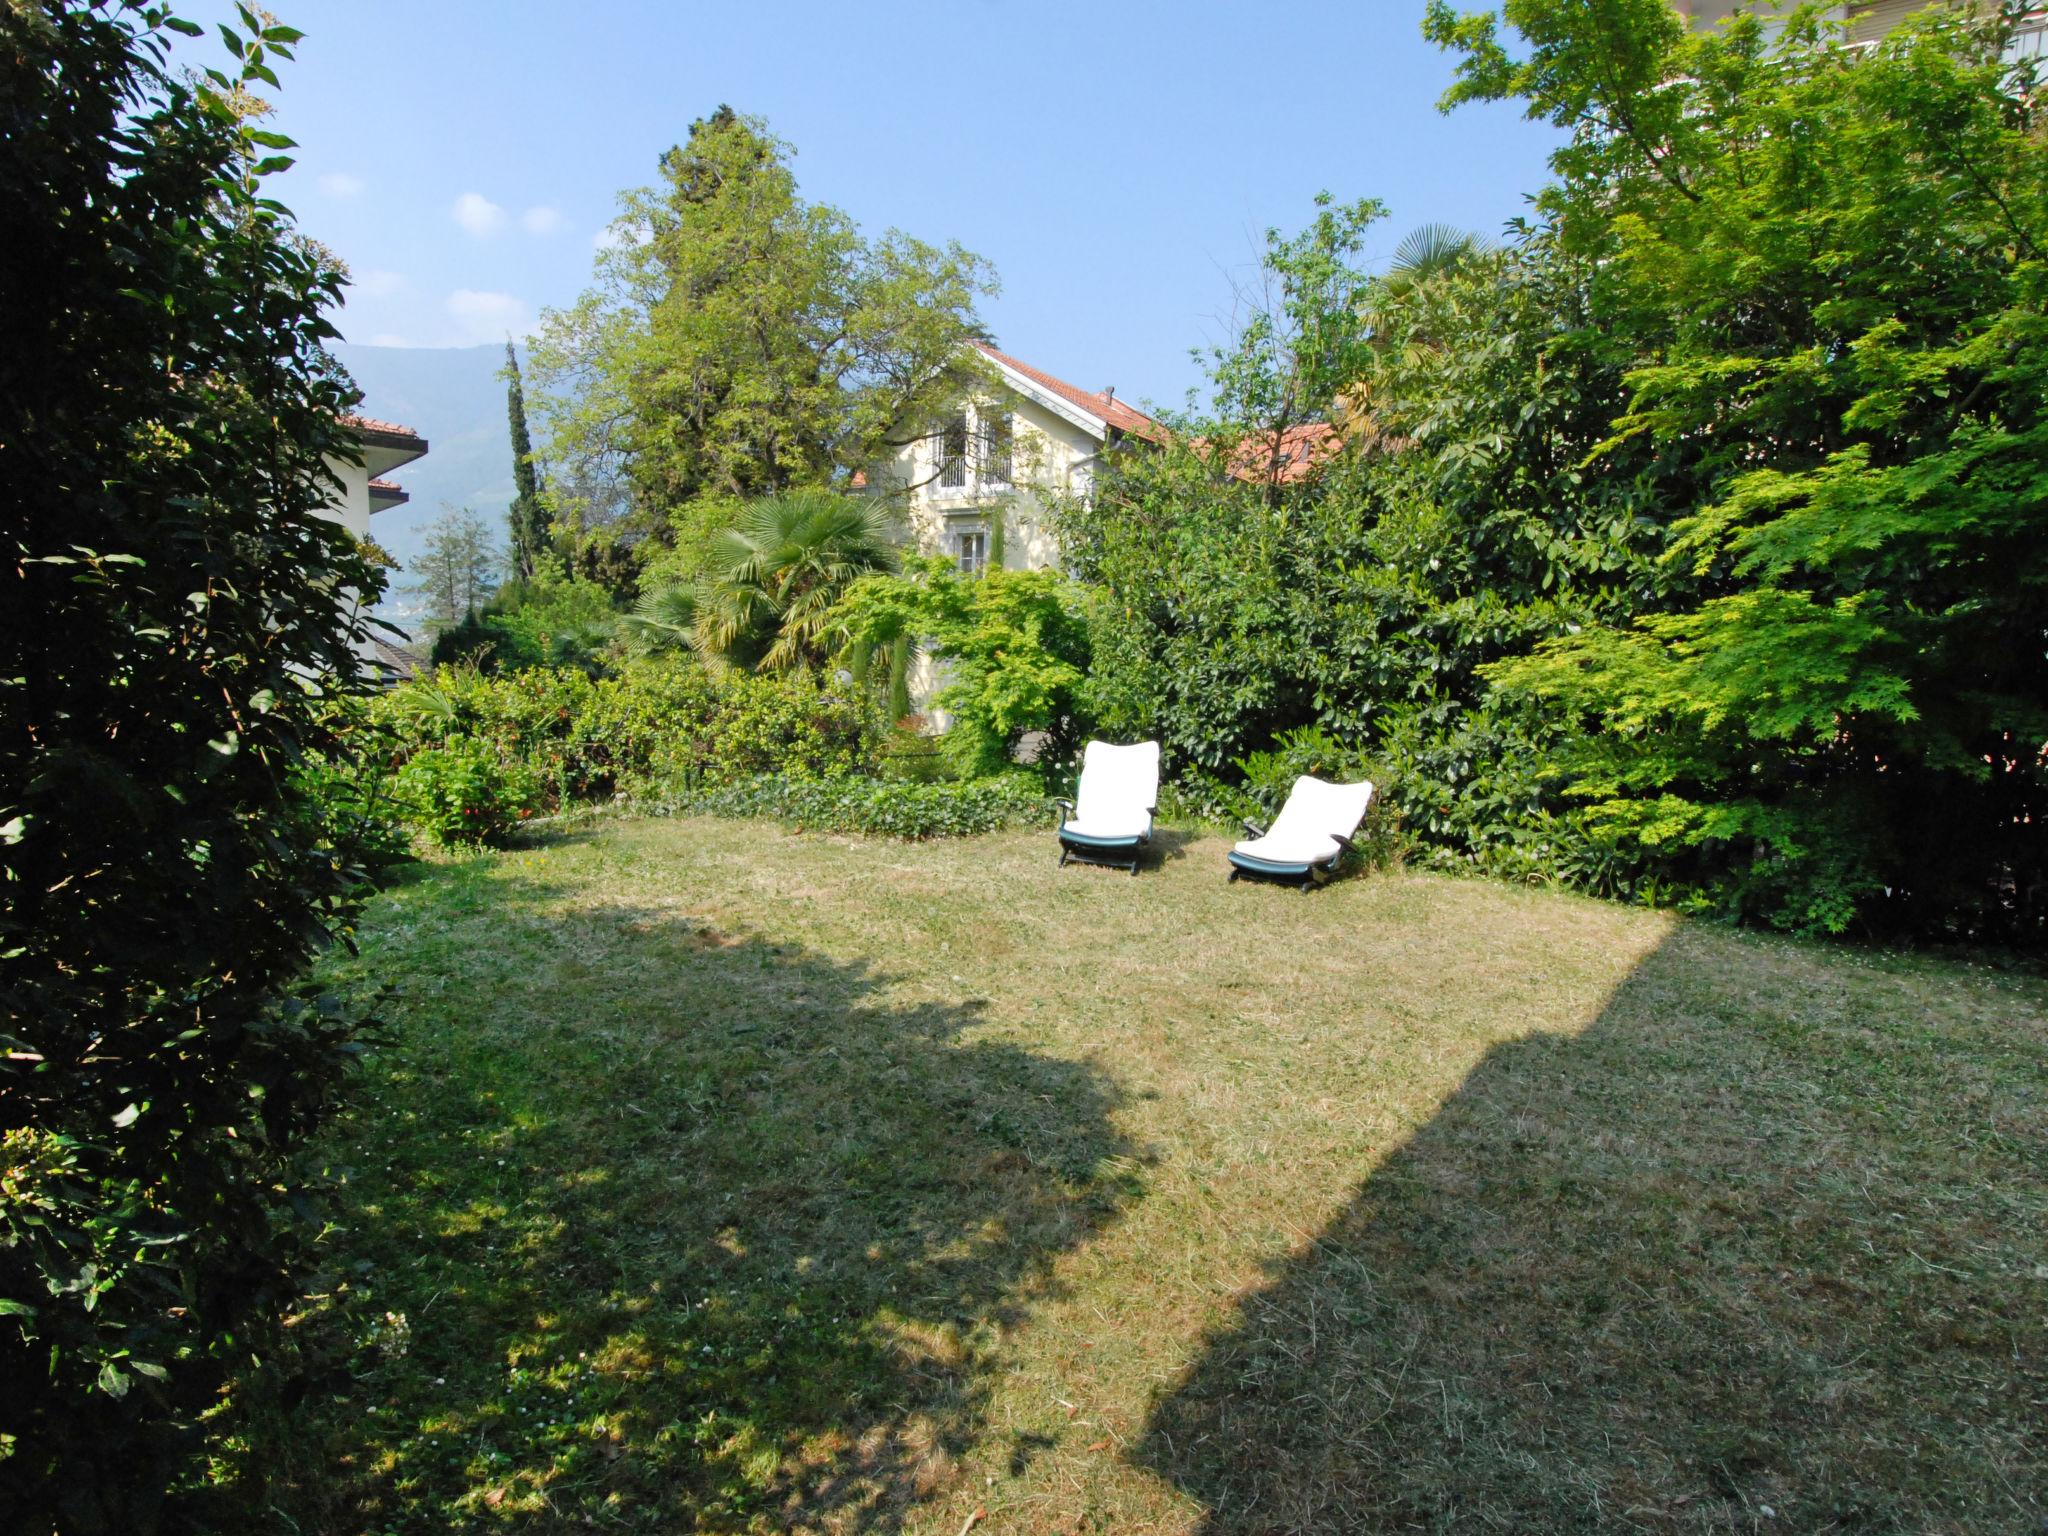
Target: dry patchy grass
column 732, row 1180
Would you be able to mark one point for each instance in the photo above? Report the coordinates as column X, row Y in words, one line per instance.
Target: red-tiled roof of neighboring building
column 1298, row 452
column 389, row 491
column 1098, row 403
column 380, row 428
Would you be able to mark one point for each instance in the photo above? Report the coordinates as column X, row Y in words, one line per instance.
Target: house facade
column 1865, row 21
column 976, row 486
column 364, row 492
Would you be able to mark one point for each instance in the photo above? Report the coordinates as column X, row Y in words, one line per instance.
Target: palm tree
column 1427, row 252
column 1426, row 255
column 665, row 619
column 772, row 579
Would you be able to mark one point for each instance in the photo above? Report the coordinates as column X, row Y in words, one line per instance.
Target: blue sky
column 1116, row 163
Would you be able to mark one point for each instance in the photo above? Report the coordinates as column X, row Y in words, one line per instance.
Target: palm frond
column 664, row 619
column 1429, row 250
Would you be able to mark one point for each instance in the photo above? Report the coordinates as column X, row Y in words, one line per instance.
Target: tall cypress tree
column 529, row 519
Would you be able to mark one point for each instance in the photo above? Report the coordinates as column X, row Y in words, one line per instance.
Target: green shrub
column 661, row 725
column 1013, row 645
column 461, row 794
column 781, row 724
column 878, row 807
column 916, row 757
column 351, row 799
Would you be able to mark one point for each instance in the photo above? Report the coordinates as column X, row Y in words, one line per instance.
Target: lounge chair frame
column 1113, row 852
column 1310, row 876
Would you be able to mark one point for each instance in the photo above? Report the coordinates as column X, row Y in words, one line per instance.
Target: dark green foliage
column 879, row 808
column 175, row 620
column 470, row 641
column 1830, row 266
column 1685, row 550
column 528, row 517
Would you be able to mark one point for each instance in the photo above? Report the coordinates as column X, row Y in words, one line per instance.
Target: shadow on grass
column 665, row 1227
column 1747, row 1253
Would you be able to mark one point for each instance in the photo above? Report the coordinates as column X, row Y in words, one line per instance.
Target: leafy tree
column 1829, row 267
column 773, row 578
column 1463, row 526
column 1014, row 645
column 457, row 571
column 179, row 621
column 528, row 518
column 741, row 341
column 1299, row 341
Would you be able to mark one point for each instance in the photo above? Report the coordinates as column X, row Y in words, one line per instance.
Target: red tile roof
column 1302, row 449
column 380, row 428
column 1097, row 403
column 390, row 490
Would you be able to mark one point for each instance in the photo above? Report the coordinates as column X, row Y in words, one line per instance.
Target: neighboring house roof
column 386, row 444
column 1100, row 404
column 396, row 661
column 1299, row 452
column 1303, row 448
column 370, row 426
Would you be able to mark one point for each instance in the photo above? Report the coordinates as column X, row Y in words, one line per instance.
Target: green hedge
column 545, row 738
column 877, row 807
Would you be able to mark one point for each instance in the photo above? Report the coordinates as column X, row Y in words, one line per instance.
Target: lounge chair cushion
column 1119, row 788
column 1128, row 828
column 1305, row 832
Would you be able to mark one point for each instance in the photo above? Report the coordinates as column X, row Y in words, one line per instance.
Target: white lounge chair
column 1109, row 820
column 1311, row 833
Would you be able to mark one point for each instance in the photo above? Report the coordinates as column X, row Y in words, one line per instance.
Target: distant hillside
column 454, row 398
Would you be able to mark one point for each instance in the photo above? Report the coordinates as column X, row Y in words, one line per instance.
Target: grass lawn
column 721, row 1178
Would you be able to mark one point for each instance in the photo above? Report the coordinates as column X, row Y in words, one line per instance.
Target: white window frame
column 970, row 549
